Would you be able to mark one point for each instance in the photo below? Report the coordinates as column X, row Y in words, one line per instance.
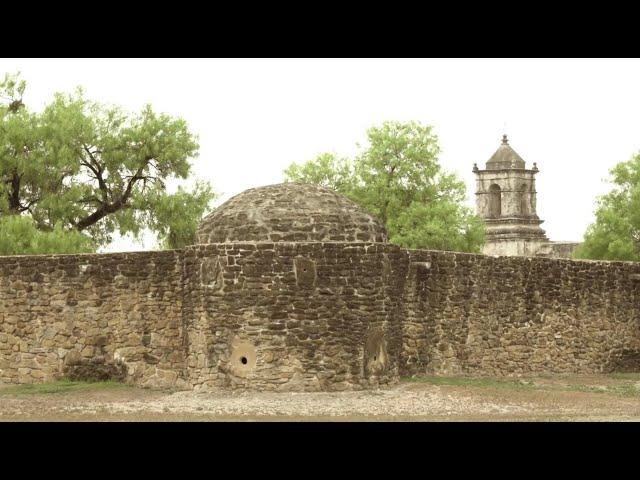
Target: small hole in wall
column 375, row 358
column 243, row 360
column 304, row 269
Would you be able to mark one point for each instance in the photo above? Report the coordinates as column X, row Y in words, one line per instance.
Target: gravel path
column 401, row 401
column 407, row 401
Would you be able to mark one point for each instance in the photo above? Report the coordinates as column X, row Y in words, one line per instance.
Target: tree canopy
column 398, row 178
column 615, row 234
column 76, row 173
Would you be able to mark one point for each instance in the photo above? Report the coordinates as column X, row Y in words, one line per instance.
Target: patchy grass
column 489, row 382
column 625, row 376
column 628, row 390
column 625, row 384
column 621, row 390
column 60, row 386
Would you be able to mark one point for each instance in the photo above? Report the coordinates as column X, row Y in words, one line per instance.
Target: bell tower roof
column 505, row 157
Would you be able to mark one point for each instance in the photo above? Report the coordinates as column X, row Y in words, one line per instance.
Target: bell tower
column 506, row 200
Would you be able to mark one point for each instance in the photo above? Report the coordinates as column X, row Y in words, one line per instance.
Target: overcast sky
column 575, row 117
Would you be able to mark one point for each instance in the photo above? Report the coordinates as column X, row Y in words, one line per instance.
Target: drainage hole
column 243, row 360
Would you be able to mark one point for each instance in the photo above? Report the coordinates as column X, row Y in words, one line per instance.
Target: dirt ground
column 582, row 398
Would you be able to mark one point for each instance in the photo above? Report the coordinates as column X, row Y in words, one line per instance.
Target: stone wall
column 283, row 316
column 557, row 249
column 100, row 316
column 514, row 245
column 480, row 315
column 293, row 316
column 311, row 316
column 517, row 245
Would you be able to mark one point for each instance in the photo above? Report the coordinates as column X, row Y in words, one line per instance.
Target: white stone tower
column 506, row 200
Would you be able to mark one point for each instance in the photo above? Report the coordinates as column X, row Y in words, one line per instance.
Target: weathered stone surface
column 94, row 370
column 334, row 315
column 295, row 335
column 85, row 317
column 473, row 314
column 290, row 212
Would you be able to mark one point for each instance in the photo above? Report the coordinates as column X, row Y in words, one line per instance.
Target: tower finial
column 505, row 141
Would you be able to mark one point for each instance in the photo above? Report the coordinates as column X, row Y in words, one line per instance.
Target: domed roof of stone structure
column 290, row 212
column 505, row 157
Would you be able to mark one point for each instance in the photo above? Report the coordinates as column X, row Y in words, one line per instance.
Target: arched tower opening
column 524, row 200
column 495, row 201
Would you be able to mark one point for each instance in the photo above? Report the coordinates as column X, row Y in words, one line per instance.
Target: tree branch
column 14, row 192
column 97, row 170
column 109, row 208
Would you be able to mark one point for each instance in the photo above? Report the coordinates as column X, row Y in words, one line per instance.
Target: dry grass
column 621, row 384
column 60, row 386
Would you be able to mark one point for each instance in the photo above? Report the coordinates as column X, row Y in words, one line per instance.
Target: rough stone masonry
column 294, row 287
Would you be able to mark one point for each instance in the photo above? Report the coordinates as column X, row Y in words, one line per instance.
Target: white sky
column 575, row 117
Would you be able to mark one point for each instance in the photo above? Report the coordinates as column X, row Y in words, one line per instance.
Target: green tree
column 398, row 178
column 615, row 234
column 326, row 170
column 19, row 236
column 83, row 168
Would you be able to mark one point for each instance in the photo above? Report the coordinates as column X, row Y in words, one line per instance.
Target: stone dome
column 290, row 212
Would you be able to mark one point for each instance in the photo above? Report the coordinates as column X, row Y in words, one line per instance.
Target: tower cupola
column 506, row 200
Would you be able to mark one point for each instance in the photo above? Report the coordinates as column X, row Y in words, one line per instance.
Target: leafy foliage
column 398, row 178
column 327, row 170
column 19, row 236
column 615, row 235
column 83, row 168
